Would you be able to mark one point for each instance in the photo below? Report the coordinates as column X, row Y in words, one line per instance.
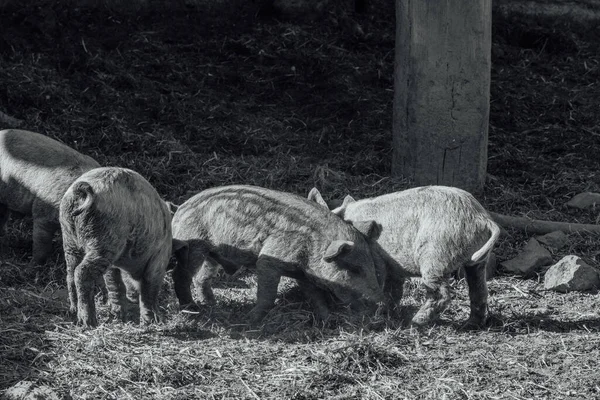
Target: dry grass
column 206, row 94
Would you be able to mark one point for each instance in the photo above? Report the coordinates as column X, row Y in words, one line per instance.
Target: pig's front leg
column 189, row 260
column 317, row 298
column 268, row 276
column 43, row 233
column 4, row 214
column 394, row 290
column 438, row 298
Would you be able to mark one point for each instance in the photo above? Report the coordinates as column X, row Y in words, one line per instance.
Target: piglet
column 35, row 172
column 115, row 223
column 429, row 232
column 275, row 234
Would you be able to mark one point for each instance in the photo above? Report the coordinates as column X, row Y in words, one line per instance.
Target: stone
column 555, row 240
column 584, row 200
column 529, row 260
column 571, row 273
column 490, row 268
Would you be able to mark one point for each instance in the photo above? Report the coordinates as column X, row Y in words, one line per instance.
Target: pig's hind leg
column 73, row 257
column 116, row 292
column 478, row 294
column 91, row 267
column 151, row 284
column 268, row 276
column 204, row 279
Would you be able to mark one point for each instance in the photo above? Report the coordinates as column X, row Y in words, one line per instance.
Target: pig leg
column 73, row 258
column 267, row 279
column 133, row 291
column 478, row 294
column 183, row 273
column 203, row 281
column 91, row 267
column 4, row 214
column 317, row 299
column 152, row 280
column 43, row 232
column 116, row 293
column 438, row 298
column 394, row 290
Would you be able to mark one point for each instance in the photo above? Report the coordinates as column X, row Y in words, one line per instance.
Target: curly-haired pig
column 276, row 234
column 35, row 172
column 113, row 221
column 429, row 232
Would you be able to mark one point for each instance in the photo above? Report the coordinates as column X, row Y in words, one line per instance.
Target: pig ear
column 370, row 229
column 337, row 248
column 315, row 195
column 179, row 245
column 341, row 209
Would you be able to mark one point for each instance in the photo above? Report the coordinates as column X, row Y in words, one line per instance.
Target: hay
column 207, row 94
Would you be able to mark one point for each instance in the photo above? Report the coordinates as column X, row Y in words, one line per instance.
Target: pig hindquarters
column 35, row 172
column 113, row 220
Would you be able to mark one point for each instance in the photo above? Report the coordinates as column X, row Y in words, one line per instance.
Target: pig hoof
column 206, row 298
column 150, row 319
column 256, row 316
column 72, row 312
column 119, row 313
column 420, row 320
column 87, row 322
column 473, row 324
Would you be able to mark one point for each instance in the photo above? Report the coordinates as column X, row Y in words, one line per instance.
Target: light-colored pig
column 429, row 232
column 276, row 234
column 35, row 172
column 114, row 223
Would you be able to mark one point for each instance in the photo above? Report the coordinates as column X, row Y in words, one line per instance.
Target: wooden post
column 441, row 92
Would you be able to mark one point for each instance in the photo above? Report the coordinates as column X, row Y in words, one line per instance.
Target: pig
column 114, row 223
column 275, row 234
column 429, row 232
column 35, row 172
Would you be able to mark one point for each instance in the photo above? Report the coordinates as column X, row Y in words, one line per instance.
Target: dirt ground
column 206, row 94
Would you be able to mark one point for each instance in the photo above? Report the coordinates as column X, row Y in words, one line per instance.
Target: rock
column 584, row 201
column 555, row 240
column 529, row 260
column 571, row 273
column 27, row 390
column 490, row 267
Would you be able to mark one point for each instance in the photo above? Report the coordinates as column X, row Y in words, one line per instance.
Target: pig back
column 33, row 166
column 433, row 218
column 243, row 216
column 126, row 210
